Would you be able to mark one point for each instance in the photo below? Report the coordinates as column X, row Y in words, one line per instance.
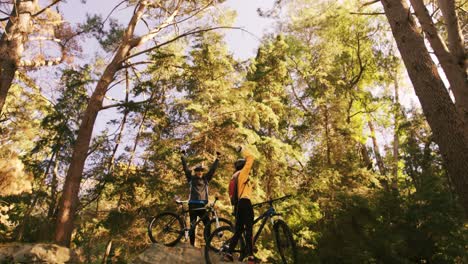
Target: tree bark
column 12, row 43
column 53, row 190
column 396, row 137
column 378, row 157
column 365, row 156
column 454, row 70
column 455, row 36
column 446, row 124
column 327, row 135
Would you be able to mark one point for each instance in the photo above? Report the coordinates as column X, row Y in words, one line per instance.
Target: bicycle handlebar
column 272, row 200
column 180, row 202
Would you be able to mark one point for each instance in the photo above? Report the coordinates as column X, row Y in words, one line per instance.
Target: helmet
column 199, row 168
column 239, row 164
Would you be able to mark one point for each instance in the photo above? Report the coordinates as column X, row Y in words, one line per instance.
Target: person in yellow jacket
column 244, row 212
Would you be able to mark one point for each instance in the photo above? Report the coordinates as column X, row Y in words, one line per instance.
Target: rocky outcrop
column 36, row 253
column 180, row 254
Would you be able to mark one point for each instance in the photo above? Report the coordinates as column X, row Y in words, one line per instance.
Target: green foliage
column 108, row 38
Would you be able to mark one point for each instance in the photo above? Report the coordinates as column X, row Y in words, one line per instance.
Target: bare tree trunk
column 378, row 157
column 396, row 138
column 452, row 61
column 7, row 72
column 31, row 207
column 327, row 135
column 455, row 36
column 53, row 190
column 365, row 156
column 106, row 258
column 12, row 43
column 446, row 124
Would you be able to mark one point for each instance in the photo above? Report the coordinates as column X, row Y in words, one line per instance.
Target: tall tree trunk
column 452, row 61
column 327, row 135
column 24, row 223
column 396, row 138
column 53, row 190
column 378, row 157
column 12, row 43
column 446, row 124
column 455, row 36
column 365, row 156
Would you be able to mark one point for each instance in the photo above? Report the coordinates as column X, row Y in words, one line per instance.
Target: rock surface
column 36, row 253
column 180, row 254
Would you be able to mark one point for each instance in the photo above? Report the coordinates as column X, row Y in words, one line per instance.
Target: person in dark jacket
column 198, row 198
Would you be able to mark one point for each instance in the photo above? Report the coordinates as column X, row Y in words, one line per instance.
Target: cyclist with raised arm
column 198, row 197
column 243, row 210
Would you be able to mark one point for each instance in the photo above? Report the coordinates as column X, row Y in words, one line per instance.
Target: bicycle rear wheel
column 166, row 228
column 285, row 242
column 217, row 245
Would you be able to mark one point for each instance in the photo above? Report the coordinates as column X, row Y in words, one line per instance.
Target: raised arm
column 187, row 172
column 249, row 159
column 210, row 173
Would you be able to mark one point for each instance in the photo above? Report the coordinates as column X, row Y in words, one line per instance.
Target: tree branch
column 125, row 104
column 370, row 3
column 140, row 40
column 367, row 14
column 177, row 38
column 45, row 8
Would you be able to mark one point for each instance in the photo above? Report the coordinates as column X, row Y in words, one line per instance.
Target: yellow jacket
column 244, row 186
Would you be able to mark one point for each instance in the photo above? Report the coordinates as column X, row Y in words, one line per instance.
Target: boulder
column 36, row 253
column 182, row 253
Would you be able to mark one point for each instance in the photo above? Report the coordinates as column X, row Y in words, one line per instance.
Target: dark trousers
column 244, row 221
column 193, row 219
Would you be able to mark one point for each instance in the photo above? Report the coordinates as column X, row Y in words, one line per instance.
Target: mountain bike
column 218, row 241
column 168, row 227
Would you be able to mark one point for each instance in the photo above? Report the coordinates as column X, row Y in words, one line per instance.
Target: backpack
column 233, row 189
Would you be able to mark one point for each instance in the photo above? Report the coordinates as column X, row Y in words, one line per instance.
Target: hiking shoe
column 252, row 260
column 227, row 257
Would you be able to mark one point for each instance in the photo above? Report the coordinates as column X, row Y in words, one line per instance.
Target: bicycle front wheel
column 216, row 224
column 217, row 245
column 166, row 228
column 285, row 242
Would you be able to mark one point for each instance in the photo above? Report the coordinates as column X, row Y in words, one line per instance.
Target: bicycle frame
column 268, row 215
column 209, row 209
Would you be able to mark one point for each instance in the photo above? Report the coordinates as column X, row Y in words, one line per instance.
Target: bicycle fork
column 217, row 219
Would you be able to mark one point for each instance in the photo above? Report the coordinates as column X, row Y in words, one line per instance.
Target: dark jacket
column 199, row 185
